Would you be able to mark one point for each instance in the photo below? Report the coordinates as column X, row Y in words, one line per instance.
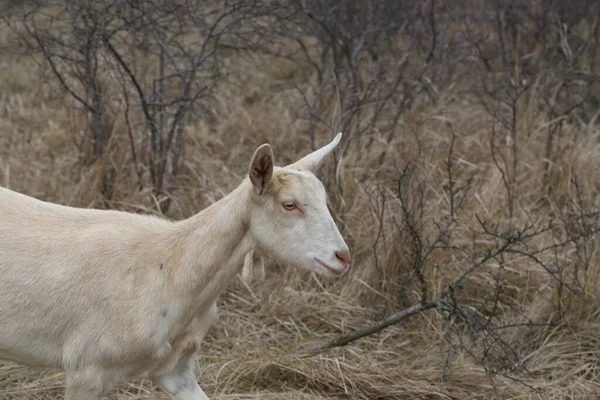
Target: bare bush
column 161, row 59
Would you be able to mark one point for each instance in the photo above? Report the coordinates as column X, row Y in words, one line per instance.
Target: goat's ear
column 312, row 161
column 261, row 168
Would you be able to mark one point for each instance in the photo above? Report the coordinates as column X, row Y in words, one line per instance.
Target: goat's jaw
column 324, row 269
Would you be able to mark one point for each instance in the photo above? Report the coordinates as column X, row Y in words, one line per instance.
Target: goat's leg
column 88, row 383
column 180, row 383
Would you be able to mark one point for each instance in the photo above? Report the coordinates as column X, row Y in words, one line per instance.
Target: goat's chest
column 187, row 322
column 183, row 339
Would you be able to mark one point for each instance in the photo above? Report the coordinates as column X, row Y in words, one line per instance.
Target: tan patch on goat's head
column 302, row 186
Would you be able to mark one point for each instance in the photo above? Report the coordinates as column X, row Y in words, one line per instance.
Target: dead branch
column 360, row 333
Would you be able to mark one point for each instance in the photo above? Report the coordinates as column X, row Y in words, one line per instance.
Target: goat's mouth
column 330, row 270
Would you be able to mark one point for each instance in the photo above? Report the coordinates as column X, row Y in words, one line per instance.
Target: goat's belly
column 31, row 333
column 27, row 350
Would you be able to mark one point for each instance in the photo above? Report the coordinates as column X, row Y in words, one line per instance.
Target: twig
column 360, row 333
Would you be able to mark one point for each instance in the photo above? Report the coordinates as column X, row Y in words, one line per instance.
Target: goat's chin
column 322, row 268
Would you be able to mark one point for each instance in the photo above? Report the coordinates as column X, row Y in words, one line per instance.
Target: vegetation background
column 466, row 184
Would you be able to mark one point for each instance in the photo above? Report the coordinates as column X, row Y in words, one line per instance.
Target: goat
column 109, row 296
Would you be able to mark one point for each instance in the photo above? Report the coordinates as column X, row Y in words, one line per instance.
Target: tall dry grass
column 249, row 354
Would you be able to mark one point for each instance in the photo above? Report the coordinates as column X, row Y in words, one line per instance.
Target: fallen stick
column 360, row 333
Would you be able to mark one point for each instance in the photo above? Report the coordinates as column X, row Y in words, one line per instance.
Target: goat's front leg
column 180, row 383
column 88, row 383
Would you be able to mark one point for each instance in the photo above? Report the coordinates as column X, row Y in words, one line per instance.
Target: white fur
column 109, row 296
column 253, row 267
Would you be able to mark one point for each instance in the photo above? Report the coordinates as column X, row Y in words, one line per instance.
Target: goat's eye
column 289, row 205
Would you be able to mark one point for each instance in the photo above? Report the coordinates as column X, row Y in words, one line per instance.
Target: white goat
column 109, row 296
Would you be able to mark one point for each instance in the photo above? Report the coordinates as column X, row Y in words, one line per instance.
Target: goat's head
column 290, row 220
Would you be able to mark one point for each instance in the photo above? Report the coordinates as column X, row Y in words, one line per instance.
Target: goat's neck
column 215, row 243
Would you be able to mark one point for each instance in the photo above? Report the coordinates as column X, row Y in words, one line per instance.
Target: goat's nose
column 344, row 257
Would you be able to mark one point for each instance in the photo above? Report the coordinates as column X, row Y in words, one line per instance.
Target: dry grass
column 249, row 354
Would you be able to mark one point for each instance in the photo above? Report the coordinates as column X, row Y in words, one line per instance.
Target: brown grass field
column 250, row 352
